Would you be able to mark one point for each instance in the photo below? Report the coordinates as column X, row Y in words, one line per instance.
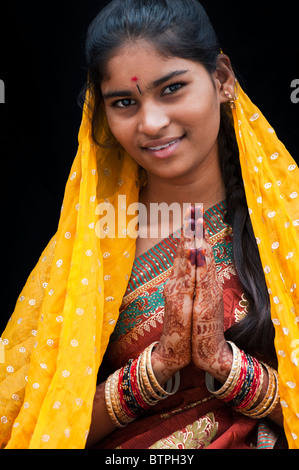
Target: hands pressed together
column 193, row 332
column 193, row 328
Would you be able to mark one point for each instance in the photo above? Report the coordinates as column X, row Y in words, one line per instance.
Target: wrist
column 220, row 364
column 162, row 367
column 225, row 362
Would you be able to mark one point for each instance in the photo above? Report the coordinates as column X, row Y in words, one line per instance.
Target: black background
column 43, row 67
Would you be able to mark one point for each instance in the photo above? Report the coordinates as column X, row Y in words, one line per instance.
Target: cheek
column 120, row 130
column 124, row 132
column 204, row 119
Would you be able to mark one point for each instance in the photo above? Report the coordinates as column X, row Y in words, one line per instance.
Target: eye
column 173, row 88
column 125, row 103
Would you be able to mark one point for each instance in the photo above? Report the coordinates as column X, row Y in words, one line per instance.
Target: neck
column 202, row 187
column 205, row 186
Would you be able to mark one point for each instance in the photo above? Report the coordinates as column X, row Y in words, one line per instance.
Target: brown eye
column 172, row 88
column 125, row 103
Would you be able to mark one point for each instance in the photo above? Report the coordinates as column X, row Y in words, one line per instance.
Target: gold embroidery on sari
column 197, row 435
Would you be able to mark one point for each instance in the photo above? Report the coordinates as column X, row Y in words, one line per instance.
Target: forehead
column 140, row 61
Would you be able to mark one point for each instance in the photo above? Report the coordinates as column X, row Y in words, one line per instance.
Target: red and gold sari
column 192, row 418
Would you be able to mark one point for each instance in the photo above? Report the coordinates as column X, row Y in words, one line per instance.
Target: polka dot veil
column 271, row 179
column 59, row 331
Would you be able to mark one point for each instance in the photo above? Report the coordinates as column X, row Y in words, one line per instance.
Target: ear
column 224, row 77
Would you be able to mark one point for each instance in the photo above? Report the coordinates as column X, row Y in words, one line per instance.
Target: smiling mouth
column 165, row 146
column 161, row 147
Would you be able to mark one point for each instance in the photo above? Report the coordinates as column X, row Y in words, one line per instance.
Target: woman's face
column 164, row 111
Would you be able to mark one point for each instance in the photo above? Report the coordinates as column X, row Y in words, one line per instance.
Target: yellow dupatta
column 271, row 179
column 59, row 331
column 56, row 338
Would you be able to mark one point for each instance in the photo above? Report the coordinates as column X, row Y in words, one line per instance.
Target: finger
column 190, row 212
column 199, row 232
column 203, row 244
column 206, row 270
column 199, row 225
column 187, row 244
column 184, row 266
column 189, row 222
column 189, row 236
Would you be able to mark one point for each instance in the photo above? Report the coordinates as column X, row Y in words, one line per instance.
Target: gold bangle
column 231, row 380
column 109, row 405
column 262, row 407
column 117, row 408
column 275, row 400
column 154, row 382
column 234, row 374
column 141, row 387
column 145, row 380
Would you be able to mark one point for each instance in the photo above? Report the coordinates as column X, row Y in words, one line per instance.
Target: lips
column 161, row 144
column 163, row 148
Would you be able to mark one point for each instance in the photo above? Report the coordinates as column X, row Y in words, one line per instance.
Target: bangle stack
column 243, row 386
column 133, row 389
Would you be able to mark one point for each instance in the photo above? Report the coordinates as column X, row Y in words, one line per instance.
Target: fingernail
column 200, row 257
column 192, row 257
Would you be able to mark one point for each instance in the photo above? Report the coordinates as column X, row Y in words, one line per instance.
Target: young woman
column 162, row 341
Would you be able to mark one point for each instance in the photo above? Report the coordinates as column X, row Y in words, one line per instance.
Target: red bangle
column 254, row 387
column 135, row 388
column 121, row 395
column 241, row 379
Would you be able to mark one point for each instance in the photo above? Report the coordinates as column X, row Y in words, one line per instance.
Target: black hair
column 167, row 24
column 181, row 28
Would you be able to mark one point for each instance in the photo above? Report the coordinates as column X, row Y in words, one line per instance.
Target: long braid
column 255, row 332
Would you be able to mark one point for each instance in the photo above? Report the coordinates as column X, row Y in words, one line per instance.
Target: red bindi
column 135, row 79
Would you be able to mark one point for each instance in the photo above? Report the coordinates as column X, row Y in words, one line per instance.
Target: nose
column 152, row 119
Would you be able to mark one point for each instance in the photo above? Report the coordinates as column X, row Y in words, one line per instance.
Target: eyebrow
column 167, row 77
column 155, row 84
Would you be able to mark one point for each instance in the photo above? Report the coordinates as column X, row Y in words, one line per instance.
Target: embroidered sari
column 192, row 418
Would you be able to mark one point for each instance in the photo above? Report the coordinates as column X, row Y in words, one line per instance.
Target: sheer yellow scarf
column 271, row 179
column 59, row 331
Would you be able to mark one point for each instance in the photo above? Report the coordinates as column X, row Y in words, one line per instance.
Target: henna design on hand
column 174, row 349
column 210, row 351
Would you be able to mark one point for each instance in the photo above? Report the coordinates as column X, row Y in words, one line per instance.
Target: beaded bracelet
column 126, row 400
